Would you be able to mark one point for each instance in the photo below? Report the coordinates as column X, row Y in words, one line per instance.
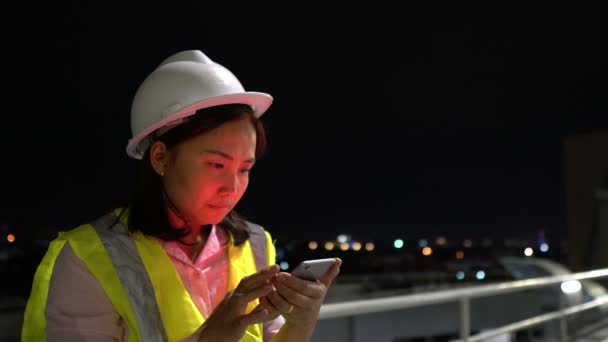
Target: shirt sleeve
column 77, row 307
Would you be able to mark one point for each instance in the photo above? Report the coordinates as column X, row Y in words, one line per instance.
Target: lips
column 219, row 206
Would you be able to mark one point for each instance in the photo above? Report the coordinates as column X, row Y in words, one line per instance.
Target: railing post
column 563, row 329
column 465, row 318
column 351, row 329
column 563, row 319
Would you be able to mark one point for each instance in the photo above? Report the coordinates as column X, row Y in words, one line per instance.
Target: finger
column 295, row 298
column 257, row 315
column 261, row 277
column 279, row 302
column 245, row 297
column 267, row 304
column 328, row 277
column 273, row 312
column 305, row 287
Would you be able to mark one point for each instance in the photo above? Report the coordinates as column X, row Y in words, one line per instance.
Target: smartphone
column 312, row 270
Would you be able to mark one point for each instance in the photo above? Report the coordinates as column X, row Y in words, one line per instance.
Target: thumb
column 328, row 277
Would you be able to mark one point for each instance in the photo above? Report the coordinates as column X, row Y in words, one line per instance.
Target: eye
column 218, row 166
column 246, row 171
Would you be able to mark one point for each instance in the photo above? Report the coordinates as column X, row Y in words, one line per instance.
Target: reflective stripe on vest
column 257, row 239
column 140, row 281
column 132, row 273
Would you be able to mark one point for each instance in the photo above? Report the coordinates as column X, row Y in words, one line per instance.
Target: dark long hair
column 148, row 207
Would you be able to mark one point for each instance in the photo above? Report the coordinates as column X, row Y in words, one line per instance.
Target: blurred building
column 586, row 158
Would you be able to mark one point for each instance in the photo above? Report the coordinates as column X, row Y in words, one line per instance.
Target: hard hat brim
column 259, row 102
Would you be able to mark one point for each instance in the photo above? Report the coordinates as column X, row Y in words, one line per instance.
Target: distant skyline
column 374, row 233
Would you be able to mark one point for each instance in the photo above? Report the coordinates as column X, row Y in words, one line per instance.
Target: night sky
column 416, row 120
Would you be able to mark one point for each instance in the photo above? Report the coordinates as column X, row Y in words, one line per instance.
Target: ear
column 159, row 157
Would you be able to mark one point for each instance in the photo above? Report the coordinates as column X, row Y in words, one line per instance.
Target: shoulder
column 77, row 305
column 106, row 224
column 259, row 232
column 71, row 277
column 68, row 266
column 262, row 244
column 88, row 243
column 254, row 228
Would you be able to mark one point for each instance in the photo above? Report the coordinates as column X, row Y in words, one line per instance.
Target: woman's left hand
column 299, row 301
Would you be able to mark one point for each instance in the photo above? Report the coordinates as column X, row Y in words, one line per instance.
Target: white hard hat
column 177, row 88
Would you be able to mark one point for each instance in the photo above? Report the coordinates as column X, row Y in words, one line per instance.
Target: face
column 206, row 176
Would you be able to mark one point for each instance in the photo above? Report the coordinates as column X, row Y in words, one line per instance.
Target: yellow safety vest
column 152, row 300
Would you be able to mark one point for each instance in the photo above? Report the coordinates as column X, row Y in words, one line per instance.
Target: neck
column 194, row 237
column 195, row 241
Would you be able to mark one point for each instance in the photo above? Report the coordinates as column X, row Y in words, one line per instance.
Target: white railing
column 464, row 296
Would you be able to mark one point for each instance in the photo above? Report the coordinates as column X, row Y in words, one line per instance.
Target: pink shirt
column 207, row 278
column 79, row 310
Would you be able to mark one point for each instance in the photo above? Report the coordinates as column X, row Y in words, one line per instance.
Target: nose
column 230, row 183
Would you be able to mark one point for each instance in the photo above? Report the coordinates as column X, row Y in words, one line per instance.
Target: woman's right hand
column 229, row 320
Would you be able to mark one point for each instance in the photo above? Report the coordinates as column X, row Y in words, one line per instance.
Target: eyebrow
column 227, row 156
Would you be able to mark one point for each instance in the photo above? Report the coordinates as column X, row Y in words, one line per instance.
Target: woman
column 178, row 264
